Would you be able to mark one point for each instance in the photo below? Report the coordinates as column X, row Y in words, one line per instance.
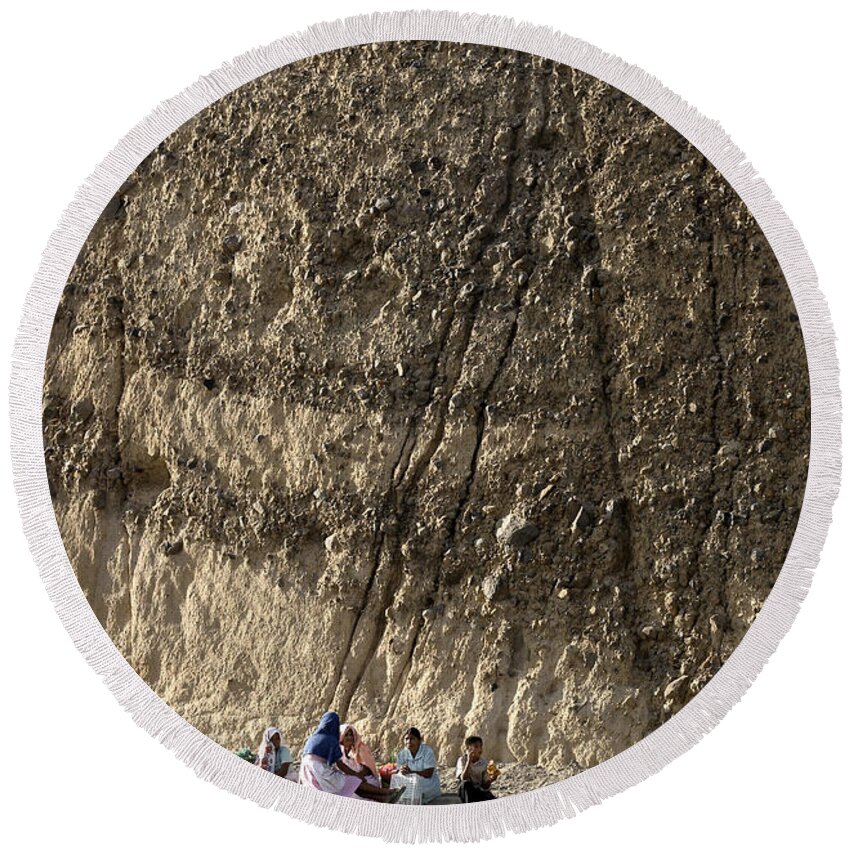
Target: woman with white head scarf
column 272, row 754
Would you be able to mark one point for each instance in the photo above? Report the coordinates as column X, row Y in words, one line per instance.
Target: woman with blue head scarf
column 322, row 766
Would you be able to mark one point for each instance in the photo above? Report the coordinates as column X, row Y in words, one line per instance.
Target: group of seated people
column 337, row 760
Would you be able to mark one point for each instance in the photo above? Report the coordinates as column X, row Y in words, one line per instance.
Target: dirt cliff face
column 434, row 384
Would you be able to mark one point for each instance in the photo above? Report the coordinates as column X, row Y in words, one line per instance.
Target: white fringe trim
column 430, row 823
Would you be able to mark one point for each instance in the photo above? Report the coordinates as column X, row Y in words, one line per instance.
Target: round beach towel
column 443, row 373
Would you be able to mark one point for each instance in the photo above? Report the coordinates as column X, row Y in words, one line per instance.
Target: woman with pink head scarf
column 357, row 755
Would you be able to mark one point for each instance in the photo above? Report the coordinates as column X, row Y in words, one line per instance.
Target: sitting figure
column 322, row 766
column 474, row 774
column 418, row 759
column 357, row 755
column 272, row 754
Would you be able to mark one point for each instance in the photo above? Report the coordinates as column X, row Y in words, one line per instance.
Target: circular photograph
column 426, row 422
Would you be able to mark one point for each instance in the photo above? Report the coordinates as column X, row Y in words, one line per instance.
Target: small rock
column 515, row 531
column 332, row 543
column 232, row 243
column 83, row 409
column 757, row 555
column 590, row 275
column 384, row 203
column 584, row 518
column 434, row 611
column 676, row 687
column 490, row 586
column 173, row 548
column 614, row 508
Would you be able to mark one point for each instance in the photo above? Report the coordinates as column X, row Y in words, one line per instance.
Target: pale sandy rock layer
column 436, row 384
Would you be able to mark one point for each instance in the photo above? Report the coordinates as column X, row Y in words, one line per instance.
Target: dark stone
column 584, row 518
column 232, row 243
column 83, row 409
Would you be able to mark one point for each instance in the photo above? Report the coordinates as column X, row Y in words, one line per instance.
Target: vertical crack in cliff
column 503, row 215
column 604, row 343
column 714, row 500
column 404, row 483
column 470, row 317
column 516, row 307
column 116, row 453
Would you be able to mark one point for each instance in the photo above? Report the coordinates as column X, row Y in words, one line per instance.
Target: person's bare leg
column 382, row 795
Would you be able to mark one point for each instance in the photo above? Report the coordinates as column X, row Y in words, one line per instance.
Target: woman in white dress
column 417, row 758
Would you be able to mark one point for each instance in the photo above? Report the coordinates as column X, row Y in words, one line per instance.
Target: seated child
column 474, row 773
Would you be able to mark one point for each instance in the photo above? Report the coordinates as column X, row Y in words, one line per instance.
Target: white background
column 76, row 77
